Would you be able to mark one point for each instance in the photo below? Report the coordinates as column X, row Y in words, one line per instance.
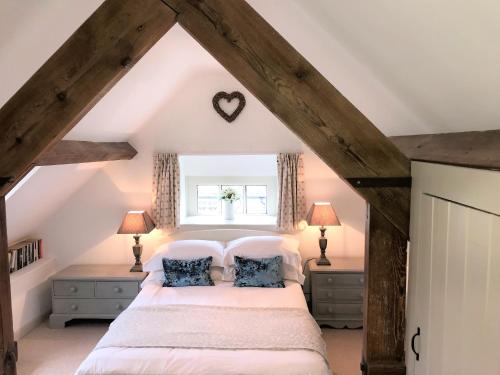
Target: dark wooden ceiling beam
column 73, row 80
column 72, row 152
column 305, row 101
column 480, row 149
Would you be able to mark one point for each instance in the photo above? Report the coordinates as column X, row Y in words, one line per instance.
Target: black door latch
column 417, row 355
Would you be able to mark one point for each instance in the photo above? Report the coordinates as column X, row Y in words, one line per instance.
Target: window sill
column 247, row 222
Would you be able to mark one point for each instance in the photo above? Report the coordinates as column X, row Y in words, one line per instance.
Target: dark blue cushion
column 263, row 272
column 182, row 272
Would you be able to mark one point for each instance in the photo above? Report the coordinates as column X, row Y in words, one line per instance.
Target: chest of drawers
column 92, row 292
column 337, row 293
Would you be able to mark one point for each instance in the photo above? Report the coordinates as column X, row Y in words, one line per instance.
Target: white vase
column 228, row 210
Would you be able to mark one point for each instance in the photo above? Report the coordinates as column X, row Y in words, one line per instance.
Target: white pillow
column 265, row 247
column 186, row 249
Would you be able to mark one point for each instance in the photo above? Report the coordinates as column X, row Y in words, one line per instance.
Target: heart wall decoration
column 235, row 95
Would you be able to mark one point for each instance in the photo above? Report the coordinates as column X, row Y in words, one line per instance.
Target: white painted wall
column 83, row 229
column 31, row 295
column 228, row 165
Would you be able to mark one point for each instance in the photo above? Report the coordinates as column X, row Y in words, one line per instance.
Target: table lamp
column 322, row 213
column 136, row 223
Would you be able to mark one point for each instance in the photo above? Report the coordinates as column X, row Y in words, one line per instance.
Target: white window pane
column 238, row 205
column 256, row 199
column 208, row 200
column 257, row 191
column 210, row 191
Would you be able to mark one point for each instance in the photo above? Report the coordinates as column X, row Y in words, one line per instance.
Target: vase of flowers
column 228, row 197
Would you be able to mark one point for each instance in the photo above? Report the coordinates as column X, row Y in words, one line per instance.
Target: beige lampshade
column 136, row 222
column 322, row 213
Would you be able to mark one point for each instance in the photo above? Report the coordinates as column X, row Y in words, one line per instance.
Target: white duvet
column 165, row 361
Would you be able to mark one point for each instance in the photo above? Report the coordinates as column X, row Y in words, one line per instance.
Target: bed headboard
column 226, row 235
column 221, row 234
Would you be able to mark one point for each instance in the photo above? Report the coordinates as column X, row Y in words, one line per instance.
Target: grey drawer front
column 70, row 288
column 116, row 289
column 89, row 306
column 338, row 280
column 340, row 295
column 338, row 311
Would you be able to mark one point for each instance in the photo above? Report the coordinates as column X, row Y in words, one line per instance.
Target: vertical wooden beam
column 385, row 293
column 7, row 345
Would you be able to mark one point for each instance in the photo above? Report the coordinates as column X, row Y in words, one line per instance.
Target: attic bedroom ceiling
column 377, row 80
column 426, row 44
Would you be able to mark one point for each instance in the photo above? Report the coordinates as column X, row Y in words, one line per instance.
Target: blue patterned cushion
column 182, row 272
column 263, row 272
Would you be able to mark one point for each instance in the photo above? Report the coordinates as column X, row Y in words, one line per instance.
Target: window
column 256, row 199
column 208, row 200
column 253, row 199
column 253, row 177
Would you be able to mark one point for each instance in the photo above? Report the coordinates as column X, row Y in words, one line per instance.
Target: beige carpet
column 46, row 351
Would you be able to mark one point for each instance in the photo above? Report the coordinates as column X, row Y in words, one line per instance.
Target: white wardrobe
column 454, row 272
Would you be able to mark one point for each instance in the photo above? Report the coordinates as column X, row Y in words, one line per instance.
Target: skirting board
column 28, row 327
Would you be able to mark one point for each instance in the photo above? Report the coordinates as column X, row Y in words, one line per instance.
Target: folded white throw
column 213, row 327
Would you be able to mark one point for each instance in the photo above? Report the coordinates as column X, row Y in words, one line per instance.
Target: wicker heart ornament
column 235, row 95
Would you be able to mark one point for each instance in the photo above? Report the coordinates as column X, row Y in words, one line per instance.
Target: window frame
column 243, row 198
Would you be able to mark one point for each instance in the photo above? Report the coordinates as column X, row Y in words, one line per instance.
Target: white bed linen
column 163, row 361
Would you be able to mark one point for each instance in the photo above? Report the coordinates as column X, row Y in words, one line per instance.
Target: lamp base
column 137, row 250
column 323, row 262
column 136, row 268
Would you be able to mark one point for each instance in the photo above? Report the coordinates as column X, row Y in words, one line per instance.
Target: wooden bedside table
column 337, row 292
column 92, row 292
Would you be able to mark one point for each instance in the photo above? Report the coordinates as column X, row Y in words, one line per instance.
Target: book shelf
column 24, row 253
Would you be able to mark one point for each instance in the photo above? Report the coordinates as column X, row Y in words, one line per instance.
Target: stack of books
column 24, row 253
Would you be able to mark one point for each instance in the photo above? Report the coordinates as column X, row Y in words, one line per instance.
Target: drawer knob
column 330, row 309
column 119, row 307
column 361, row 280
column 117, row 289
column 73, row 289
column 361, row 294
column 330, row 294
column 74, row 307
column 330, row 280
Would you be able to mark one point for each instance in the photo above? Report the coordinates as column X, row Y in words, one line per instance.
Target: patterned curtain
column 166, row 191
column 291, row 196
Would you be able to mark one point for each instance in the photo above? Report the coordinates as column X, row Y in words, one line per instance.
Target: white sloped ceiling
column 411, row 68
column 439, row 57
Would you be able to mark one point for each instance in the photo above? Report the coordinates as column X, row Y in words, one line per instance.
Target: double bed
column 221, row 329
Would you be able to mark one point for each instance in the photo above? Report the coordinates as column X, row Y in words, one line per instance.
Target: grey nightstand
column 92, row 292
column 337, row 292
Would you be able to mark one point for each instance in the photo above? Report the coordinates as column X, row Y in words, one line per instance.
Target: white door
column 454, row 272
